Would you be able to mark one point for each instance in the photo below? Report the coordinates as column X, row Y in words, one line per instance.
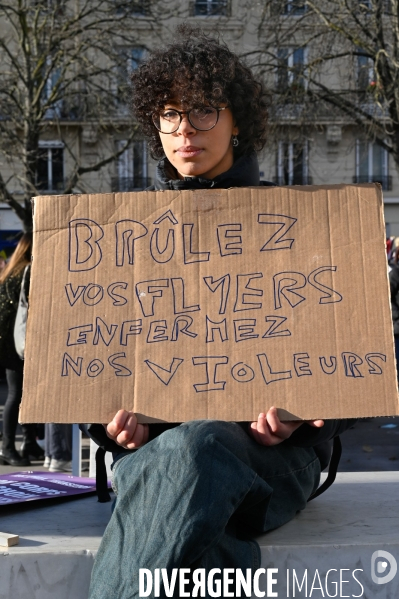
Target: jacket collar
column 243, row 173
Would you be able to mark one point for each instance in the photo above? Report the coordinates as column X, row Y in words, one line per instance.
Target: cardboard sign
column 210, row 304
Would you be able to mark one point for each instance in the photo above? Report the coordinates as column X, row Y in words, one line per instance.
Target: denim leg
column 176, row 495
column 59, row 441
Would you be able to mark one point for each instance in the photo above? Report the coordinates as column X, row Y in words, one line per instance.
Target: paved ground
column 369, row 446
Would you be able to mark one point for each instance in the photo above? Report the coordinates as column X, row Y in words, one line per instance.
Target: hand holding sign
column 126, row 431
column 269, row 430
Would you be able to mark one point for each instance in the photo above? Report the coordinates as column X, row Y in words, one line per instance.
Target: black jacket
column 9, row 299
column 244, row 173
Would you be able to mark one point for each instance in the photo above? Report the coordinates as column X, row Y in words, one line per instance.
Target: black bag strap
column 332, row 470
column 101, row 477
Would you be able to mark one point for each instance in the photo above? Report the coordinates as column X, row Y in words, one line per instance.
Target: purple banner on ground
column 28, row 486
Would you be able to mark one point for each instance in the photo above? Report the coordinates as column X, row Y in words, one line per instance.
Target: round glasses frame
column 187, row 112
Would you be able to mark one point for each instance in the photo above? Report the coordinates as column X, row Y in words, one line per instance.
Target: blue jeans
column 179, row 496
column 58, row 441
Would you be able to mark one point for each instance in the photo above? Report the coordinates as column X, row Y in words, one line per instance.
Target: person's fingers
column 117, row 424
column 269, row 430
column 274, row 421
column 126, row 435
column 262, row 425
column 260, row 431
column 281, row 430
column 139, row 438
column 125, row 430
column 253, row 429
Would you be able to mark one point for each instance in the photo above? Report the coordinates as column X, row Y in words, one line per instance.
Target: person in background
column 10, row 287
column 58, row 447
column 3, row 263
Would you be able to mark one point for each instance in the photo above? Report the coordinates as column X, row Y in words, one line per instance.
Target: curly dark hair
column 198, row 70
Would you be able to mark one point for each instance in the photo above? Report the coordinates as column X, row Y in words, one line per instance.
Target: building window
column 129, row 60
column 288, row 7
column 290, row 69
column 135, row 58
column 132, row 170
column 364, row 6
column 292, row 164
column 372, row 164
column 51, row 89
column 294, row 7
column 210, row 8
column 367, row 7
column 140, row 8
column 56, row 6
column 50, row 166
column 364, row 72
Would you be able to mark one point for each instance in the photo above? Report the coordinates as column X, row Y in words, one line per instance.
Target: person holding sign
column 187, row 494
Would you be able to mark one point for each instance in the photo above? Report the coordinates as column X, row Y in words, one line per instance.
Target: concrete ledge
column 341, row 529
column 56, row 550
column 338, row 531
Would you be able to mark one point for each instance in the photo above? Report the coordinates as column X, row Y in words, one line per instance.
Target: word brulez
column 86, row 238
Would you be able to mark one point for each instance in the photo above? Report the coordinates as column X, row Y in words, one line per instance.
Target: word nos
column 240, row 372
column 86, row 239
column 316, row 585
column 228, row 582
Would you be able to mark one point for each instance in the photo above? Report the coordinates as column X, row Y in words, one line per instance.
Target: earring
column 235, row 141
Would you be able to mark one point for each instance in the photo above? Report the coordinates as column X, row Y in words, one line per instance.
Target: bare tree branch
column 352, row 65
column 63, row 67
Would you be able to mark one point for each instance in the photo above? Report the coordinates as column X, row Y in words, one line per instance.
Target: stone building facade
column 328, row 150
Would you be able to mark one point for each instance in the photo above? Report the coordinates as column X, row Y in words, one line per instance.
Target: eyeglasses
column 202, row 119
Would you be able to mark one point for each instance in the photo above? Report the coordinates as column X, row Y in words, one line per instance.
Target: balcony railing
column 54, row 188
column 384, row 180
column 304, row 180
column 129, row 183
column 141, row 8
